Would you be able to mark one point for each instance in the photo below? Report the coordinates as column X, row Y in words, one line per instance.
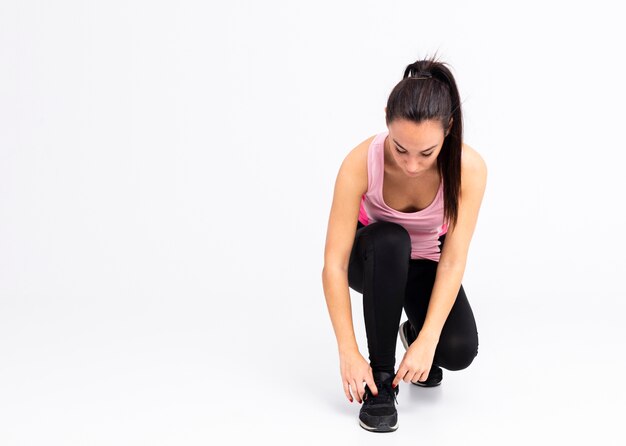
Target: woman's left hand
column 417, row 361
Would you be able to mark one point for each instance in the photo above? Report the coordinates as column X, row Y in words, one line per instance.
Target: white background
column 166, row 175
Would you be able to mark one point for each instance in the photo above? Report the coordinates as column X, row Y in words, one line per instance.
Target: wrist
column 348, row 349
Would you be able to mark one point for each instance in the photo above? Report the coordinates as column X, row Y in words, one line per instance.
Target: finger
column 415, row 377
column 361, row 388
column 421, row 376
column 346, row 390
column 399, row 376
column 355, row 391
column 408, row 376
column 370, row 383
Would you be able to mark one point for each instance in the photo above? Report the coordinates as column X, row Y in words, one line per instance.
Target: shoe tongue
column 383, row 376
column 383, row 382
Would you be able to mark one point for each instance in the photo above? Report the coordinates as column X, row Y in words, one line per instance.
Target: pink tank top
column 425, row 226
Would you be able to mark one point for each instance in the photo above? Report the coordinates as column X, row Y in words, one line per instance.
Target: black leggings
column 381, row 269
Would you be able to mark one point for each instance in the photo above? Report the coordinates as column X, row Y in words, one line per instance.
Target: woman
column 416, row 190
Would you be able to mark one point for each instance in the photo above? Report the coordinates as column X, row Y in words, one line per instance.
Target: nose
column 412, row 168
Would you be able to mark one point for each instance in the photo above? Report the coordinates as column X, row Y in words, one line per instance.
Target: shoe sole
column 426, row 385
column 406, row 347
column 403, row 339
column 379, row 429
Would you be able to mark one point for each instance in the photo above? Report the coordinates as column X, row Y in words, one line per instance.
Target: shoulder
column 458, row 236
column 471, row 159
column 355, row 162
column 473, row 167
column 359, row 153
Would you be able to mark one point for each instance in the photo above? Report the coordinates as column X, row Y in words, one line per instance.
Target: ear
column 449, row 127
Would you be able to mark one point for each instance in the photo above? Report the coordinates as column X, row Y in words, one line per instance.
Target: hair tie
column 422, row 75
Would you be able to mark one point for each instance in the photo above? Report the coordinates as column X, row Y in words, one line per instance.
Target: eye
column 397, row 150
column 425, row 155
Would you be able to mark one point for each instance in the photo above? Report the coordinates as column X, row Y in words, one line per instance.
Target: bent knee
column 460, row 356
column 390, row 236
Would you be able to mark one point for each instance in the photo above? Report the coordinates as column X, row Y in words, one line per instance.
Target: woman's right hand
column 354, row 371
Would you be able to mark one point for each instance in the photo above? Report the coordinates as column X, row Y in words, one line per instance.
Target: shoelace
column 385, row 392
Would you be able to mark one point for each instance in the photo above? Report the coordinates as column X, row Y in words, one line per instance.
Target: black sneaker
column 407, row 336
column 378, row 413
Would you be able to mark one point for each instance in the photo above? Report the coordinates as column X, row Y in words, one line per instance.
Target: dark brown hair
column 417, row 98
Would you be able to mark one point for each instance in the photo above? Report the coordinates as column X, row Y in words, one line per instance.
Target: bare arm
column 455, row 249
column 418, row 359
column 350, row 185
column 335, row 283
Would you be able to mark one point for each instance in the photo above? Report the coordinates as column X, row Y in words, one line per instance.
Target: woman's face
column 415, row 147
